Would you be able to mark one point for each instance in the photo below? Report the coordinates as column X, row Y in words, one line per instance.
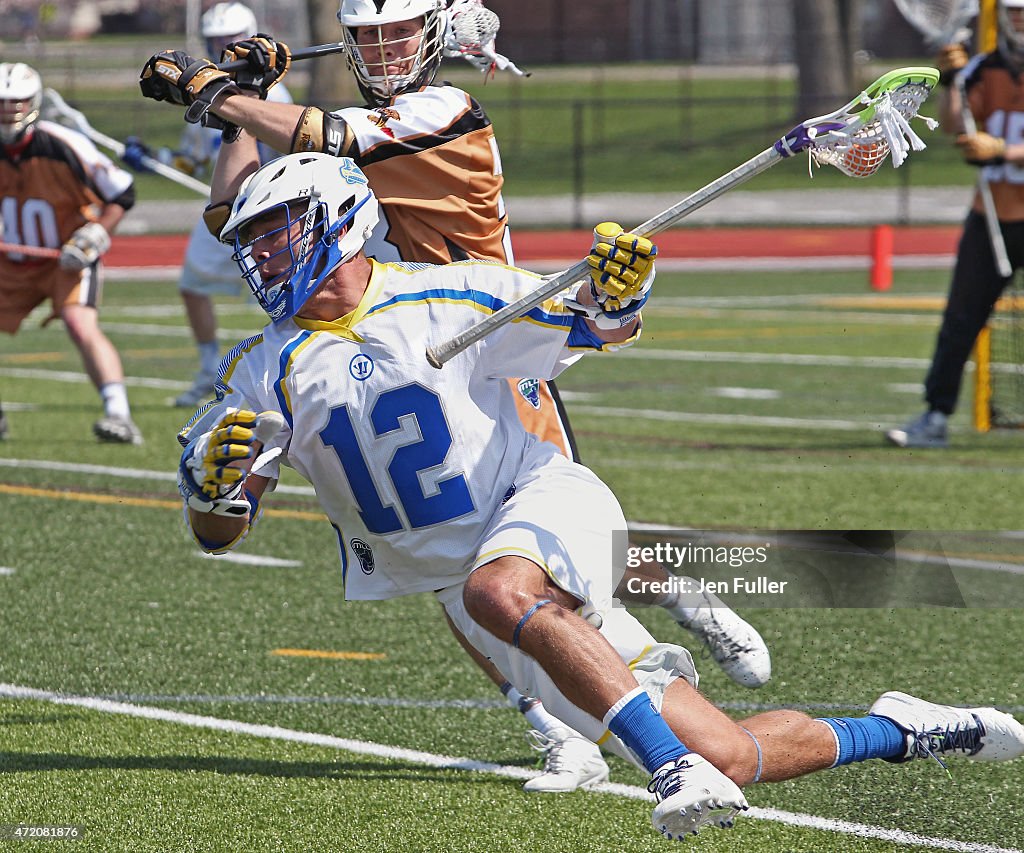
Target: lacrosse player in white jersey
column 208, row 270
column 432, row 483
column 432, row 159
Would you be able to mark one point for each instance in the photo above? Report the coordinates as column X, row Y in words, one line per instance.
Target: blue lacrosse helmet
column 286, row 227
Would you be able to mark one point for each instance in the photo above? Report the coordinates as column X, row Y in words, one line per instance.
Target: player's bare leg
column 202, row 320
column 570, row 760
column 103, row 366
column 516, row 601
column 734, row 644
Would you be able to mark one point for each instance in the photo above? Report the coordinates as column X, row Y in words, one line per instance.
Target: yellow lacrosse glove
column 982, row 149
column 621, row 268
column 213, row 468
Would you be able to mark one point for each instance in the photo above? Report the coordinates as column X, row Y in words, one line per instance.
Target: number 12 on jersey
column 452, row 498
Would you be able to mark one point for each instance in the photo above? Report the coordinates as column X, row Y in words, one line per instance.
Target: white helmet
column 1011, row 40
column 21, row 96
column 380, row 88
column 228, row 19
column 320, row 194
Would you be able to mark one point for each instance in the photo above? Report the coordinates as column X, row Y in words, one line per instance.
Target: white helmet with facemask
column 21, row 96
column 226, row 22
column 1011, row 38
column 423, row 59
column 324, row 209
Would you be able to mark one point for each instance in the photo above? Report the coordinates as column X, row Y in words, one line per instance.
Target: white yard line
column 448, row 762
column 733, row 419
column 251, row 560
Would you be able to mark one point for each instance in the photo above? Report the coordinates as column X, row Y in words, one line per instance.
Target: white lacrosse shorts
column 561, row 518
column 208, row 268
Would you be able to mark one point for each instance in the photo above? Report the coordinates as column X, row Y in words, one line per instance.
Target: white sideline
column 894, row 836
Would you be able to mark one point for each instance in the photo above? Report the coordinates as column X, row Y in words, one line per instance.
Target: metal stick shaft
column 438, row 356
column 988, row 203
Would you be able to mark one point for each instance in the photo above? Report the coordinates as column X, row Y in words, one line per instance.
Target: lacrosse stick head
column 858, row 138
column 21, row 98
column 392, row 46
column 939, row 21
column 471, row 26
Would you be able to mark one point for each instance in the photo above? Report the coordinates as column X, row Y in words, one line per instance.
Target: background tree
column 827, row 35
column 330, row 82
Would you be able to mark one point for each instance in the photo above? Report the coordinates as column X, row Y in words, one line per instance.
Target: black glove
column 174, row 76
column 267, row 61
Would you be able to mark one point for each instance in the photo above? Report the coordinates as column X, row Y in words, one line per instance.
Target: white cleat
column 983, row 734
column 693, row 793
column 117, row 430
column 570, row 762
column 734, row 643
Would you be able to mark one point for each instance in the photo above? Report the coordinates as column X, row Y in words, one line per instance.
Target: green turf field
column 754, row 400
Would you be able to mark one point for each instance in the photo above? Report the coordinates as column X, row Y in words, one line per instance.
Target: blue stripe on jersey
column 582, row 336
column 284, row 364
column 489, row 303
column 344, row 554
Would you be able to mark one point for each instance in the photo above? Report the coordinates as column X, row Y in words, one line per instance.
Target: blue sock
column 861, row 738
column 637, row 723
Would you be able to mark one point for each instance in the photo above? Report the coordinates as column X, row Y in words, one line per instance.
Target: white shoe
column 201, row 390
column 692, row 793
column 983, row 734
column 570, row 762
column 117, row 430
column 735, row 644
column 927, row 430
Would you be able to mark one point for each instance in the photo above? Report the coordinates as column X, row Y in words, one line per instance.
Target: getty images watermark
column 820, row 568
column 687, row 555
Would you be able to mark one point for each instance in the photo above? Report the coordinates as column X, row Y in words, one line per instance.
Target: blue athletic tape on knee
column 760, row 756
column 861, row 738
column 640, row 727
column 525, row 619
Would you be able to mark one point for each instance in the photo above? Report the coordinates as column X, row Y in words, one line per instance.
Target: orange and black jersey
column 433, row 162
column 53, row 184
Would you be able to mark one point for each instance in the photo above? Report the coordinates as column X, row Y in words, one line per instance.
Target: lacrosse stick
column 942, row 22
column 302, row 53
column 29, row 251
column 995, row 233
column 856, row 139
column 939, row 21
column 470, row 35
column 55, row 106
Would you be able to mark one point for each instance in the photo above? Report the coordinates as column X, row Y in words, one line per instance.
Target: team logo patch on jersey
column 509, row 494
column 364, row 554
column 360, row 367
column 530, row 391
column 381, row 117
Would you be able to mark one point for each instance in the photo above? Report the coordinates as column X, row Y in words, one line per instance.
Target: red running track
column 167, row 250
